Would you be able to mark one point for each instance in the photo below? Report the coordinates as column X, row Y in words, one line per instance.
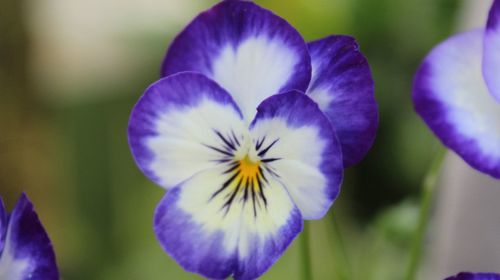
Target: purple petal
column 28, row 252
column 248, row 50
column 204, row 234
column 491, row 58
column 3, row 225
column 451, row 96
column 342, row 85
column 475, row 276
column 172, row 128
column 305, row 152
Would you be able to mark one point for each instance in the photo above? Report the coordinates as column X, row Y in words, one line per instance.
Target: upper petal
column 248, row 50
column 220, row 229
column 343, row 87
column 298, row 144
column 491, row 58
column 475, row 276
column 450, row 95
column 28, row 252
column 178, row 127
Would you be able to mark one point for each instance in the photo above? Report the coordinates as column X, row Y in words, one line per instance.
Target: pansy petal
column 343, row 87
column 298, row 144
column 219, row 230
column 491, row 58
column 475, row 276
column 28, row 252
column 248, row 50
column 451, row 96
column 3, row 225
column 183, row 124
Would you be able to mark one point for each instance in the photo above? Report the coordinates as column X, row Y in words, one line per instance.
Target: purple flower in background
column 25, row 249
column 455, row 90
column 249, row 130
column 474, row 276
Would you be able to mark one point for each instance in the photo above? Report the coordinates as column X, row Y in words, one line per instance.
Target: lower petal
column 451, row 96
column 491, row 58
column 28, row 252
column 229, row 232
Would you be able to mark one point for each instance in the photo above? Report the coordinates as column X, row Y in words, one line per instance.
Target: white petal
column 304, row 153
column 179, row 126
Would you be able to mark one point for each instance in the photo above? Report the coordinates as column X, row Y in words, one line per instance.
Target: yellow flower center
column 248, row 174
column 248, row 168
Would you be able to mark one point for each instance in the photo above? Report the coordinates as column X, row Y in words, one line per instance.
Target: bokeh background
column 71, row 70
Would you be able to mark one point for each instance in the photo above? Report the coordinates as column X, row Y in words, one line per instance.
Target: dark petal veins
column 201, row 237
column 263, row 152
column 307, row 159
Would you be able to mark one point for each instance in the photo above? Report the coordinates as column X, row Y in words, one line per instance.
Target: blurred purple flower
column 455, row 90
column 474, row 276
column 244, row 153
column 25, row 249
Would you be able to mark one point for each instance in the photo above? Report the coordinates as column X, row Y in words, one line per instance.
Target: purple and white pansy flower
column 249, row 130
column 238, row 190
column 457, row 93
column 475, row 276
column 25, row 249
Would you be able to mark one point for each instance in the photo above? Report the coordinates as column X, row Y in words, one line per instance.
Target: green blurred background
column 70, row 71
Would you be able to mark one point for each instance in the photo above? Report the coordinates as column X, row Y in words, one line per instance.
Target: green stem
column 429, row 186
column 306, row 253
column 344, row 269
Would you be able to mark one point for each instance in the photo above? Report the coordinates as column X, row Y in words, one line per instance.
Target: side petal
column 177, row 128
column 450, row 95
column 248, row 50
column 491, row 58
column 3, row 225
column 221, row 232
column 297, row 143
column 343, row 87
column 28, row 252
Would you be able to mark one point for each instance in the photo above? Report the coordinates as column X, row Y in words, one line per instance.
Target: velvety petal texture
column 28, row 252
column 475, row 276
column 491, row 59
column 303, row 150
column 452, row 98
column 343, row 87
column 249, row 51
column 180, row 126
